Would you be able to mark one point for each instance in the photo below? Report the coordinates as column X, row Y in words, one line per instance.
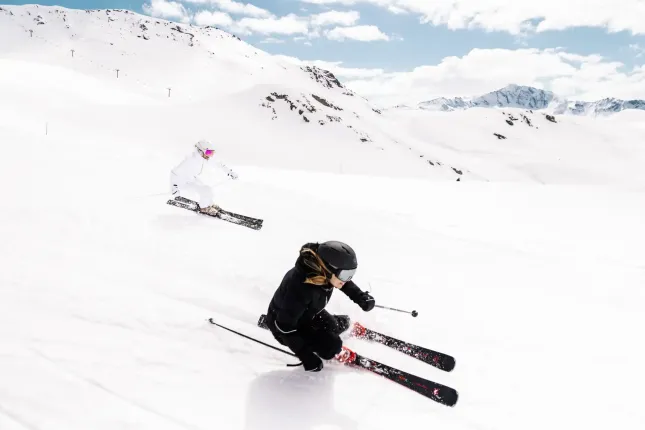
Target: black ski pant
column 321, row 334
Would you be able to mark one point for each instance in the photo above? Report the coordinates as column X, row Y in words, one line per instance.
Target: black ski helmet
column 340, row 258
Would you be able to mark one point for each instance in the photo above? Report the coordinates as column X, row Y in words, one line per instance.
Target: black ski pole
column 258, row 341
column 413, row 313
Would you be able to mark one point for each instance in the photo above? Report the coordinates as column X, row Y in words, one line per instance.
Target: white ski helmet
column 204, row 145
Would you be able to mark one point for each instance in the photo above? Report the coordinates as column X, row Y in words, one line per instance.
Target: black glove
column 310, row 361
column 366, row 302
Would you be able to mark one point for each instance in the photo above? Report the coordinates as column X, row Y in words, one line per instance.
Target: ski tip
column 451, row 402
column 448, row 364
column 446, row 396
column 451, row 399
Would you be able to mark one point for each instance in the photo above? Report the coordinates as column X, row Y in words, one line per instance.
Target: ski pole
column 258, row 341
column 413, row 313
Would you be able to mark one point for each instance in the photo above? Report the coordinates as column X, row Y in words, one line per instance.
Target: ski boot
column 358, row 330
column 346, row 356
column 211, row 210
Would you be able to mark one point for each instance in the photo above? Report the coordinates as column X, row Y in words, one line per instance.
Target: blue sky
column 605, row 47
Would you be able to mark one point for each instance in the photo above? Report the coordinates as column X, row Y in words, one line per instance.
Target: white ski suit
column 184, row 177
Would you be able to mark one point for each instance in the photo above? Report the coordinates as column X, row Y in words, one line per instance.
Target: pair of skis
column 439, row 393
column 243, row 220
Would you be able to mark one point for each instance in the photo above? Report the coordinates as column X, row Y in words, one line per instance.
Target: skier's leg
column 270, row 322
column 324, row 321
column 342, row 322
column 328, row 322
column 180, row 187
column 325, row 343
column 205, row 194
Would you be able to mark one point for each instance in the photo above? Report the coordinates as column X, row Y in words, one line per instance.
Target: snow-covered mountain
column 183, row 82
column 600, row 107
column 535, row 99
column 155, row 63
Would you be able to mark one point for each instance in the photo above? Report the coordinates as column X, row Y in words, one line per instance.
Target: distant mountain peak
column 526, row 97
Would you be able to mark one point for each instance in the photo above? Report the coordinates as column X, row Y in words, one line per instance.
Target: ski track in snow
column 528, row 270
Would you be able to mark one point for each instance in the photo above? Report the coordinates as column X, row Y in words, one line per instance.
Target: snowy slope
column 522, row 96
column 104, row 289
column 524, row 145
column 204, row 78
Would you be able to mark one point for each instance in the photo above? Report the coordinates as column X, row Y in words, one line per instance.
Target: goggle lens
column 346, row 275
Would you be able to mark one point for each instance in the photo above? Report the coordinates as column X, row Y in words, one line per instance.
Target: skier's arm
column 226, row 169
column 361, row 298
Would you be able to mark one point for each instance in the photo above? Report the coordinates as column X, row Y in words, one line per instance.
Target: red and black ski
column 434, row 358
column 439, row 393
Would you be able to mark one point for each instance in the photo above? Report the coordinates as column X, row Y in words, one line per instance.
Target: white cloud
column 335, row 17
column 514, row 16
column 335, row 67
column 258, row 20
column 341, row 2
column 166, row 9
column 205, row 17
column 362, row 33
column 289, row 24
column 303, row 39
column 235, row 7
column 585, row 77
column 325, row 2
column 272, row 40
column 353, row 72
column 241, row 8
column 307, row 26
column 396, row 10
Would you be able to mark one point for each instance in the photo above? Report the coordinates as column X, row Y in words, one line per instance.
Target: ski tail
column 189, row 206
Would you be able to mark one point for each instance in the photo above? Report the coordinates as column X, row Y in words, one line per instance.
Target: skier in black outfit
column 297, row 316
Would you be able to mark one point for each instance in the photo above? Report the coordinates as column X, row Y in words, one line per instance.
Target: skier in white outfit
column 185, row 176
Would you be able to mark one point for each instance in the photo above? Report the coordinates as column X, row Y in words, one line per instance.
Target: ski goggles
column 345, row 275
column 209, row 152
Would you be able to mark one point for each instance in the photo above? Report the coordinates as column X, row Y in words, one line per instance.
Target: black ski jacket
column 295, row 304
